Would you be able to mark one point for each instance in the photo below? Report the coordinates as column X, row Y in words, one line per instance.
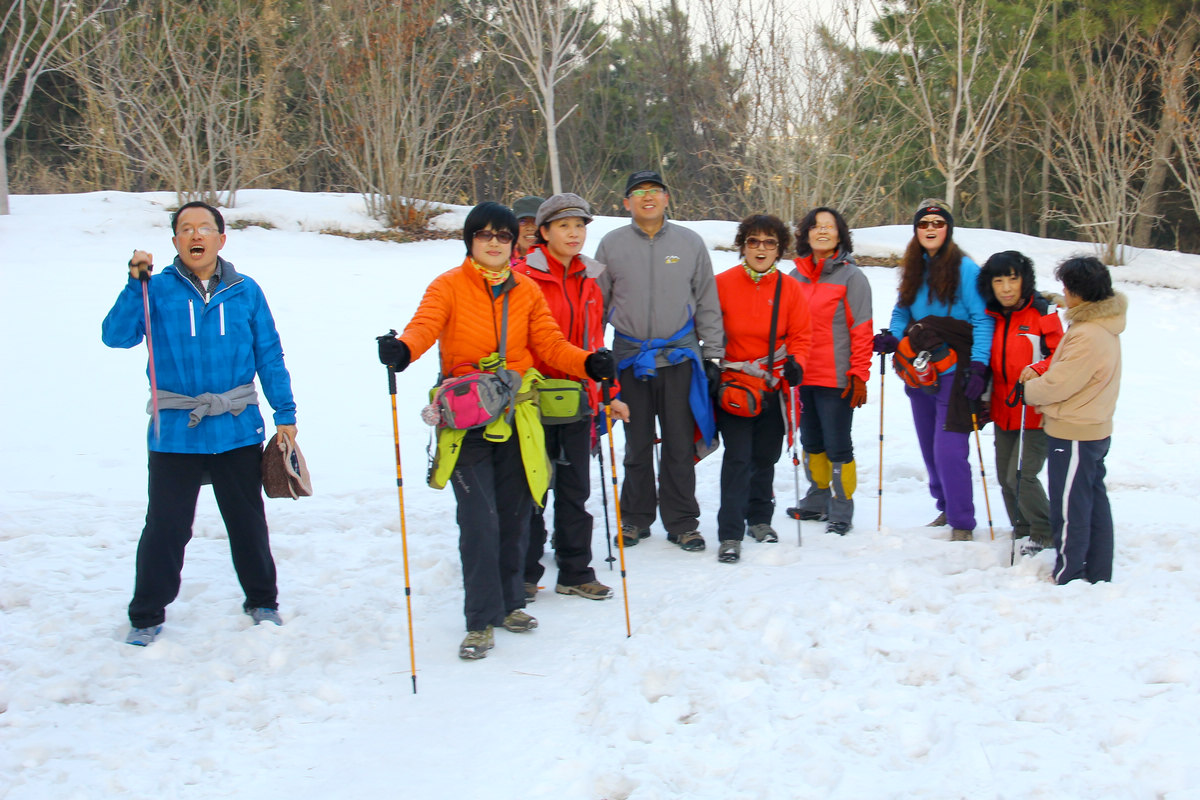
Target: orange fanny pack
column 922, row 370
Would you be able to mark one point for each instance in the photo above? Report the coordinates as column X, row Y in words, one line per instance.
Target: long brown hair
column 943, row 272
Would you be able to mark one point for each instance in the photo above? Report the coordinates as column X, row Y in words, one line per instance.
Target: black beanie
column 934, row 210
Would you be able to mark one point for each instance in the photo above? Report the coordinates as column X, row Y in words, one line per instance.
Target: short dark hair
column 1007, row 262
column 500, row 217
column 762, row 223
column 198, row 204
column 1086, row 277
column 810, row 221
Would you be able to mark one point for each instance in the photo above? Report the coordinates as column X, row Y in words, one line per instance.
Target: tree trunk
column 4, row 176
column 985, row 210
column 1044, row 216
column 1009, row 195
column 552, row 142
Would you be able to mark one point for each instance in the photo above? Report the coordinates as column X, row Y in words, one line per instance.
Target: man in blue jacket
column 211, row 332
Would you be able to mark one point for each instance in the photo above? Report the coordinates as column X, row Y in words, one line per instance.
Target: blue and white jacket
column 200, row 347
column 968, row 306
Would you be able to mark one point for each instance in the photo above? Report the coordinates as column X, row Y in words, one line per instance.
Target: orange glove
column 856, row 390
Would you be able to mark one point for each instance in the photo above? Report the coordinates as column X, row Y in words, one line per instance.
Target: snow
column 886, row 664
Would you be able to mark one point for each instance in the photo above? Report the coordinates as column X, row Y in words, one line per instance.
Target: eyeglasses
column 767, row 244
column 203, row 230
column 503, row 237
column 936, row 224
column 652, row 192
column 823, row 228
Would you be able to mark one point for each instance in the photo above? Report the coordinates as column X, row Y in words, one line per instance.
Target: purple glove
column 885, row 342
column 977, row 376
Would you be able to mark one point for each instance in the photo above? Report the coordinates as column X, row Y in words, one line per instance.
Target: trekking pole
column 793, row 417
column 604, row 496
column 144, row 277
column 403, row 527
column 1012, row 552
column 605, row 388
column 982, row 474
column 882, row 369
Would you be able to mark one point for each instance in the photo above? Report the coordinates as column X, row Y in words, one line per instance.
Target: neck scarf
column 758, row 276
column 494, row 277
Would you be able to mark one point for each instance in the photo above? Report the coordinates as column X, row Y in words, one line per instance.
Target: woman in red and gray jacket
column 567, row 280
column 839, row 367
column 1027, row 331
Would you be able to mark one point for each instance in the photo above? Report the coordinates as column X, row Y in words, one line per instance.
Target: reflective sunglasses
column 504, row 237
column 936, row 224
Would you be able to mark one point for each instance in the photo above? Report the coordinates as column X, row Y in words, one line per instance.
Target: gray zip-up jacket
column 652, row 286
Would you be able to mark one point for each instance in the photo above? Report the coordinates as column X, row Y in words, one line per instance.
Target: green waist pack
column 562, row 401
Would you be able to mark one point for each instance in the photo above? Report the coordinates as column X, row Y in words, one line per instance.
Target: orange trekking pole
column 605, row 390
column 982, row 475
column 403, row 528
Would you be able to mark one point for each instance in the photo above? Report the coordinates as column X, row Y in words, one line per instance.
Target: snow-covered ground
column 886, row 664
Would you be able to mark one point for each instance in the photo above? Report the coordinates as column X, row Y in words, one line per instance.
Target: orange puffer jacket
column 460, row 313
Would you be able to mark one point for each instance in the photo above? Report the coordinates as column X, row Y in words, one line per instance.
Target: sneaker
column 260, row 615
column 730, row 551
column 476, row 644
column 961, row 535
column 939, row 522
column 592, row 590
column 518, row 621
column 691, row 541
column 141, row 637
column 840, row 528
column 762, row 532
column 1032, row 548
column 632, row 534
column 531, row 590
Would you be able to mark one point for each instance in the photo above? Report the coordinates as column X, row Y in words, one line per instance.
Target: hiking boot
column 1032, row 548
column 141, row 637
column 762, row 532
column 840, row 528
column 691, row 541
column 939, row 521
column 476, row 644
column 808, row 515
column 592, row 590
column 961, row 535
column 260, row 615
column 518, row 621
column 730, row 551
column 531, row 590
column 632, row 534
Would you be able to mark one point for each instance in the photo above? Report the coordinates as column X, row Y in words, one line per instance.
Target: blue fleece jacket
column 968, row 306
column 205, row 347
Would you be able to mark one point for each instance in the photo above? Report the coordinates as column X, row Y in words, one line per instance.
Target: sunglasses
column 768, row 244
column 936, row 224
column 503, row 237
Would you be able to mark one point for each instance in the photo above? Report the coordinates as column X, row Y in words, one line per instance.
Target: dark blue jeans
column 825, row 423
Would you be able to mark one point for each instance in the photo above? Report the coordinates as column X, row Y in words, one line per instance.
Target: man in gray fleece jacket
column 661, row 299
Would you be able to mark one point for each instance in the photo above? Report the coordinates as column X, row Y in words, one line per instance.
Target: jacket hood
column 1108, row 313
column 536, row 258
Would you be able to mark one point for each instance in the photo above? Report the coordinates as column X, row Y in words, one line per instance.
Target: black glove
column 713, row 373
column 884, row 342
column 793, row 373
column 393, row 352
column 600, row 365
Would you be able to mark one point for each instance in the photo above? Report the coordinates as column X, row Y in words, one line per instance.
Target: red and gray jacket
column 575, row 303
column 1023, row 336
column 839, row 299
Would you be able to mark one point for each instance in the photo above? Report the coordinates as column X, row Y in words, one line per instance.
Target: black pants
column 752, row 446
column 570, row 448
column 174, row 486
column 664, row 396
column 493, row 527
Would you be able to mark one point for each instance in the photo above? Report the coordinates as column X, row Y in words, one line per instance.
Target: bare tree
column 957, row 65
column 35, row 34
column 545, row 42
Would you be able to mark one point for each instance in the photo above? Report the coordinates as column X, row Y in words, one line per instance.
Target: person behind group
column 1076, row 392
column 568, row 280
column 212, row 332
column 525, row 210
column 497, row 471
column 1027, row 330
column 757, row 297
column 839, row 366
column 938, row 289
column 661, row 299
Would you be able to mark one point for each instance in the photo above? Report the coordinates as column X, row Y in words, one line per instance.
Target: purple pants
column 945, row 455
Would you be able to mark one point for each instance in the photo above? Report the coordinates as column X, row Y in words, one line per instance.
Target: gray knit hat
column 561, row 206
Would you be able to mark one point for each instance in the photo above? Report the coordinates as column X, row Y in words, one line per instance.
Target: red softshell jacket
column 1017, row 332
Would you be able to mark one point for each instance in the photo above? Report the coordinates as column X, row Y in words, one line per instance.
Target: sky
column 889, row 663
